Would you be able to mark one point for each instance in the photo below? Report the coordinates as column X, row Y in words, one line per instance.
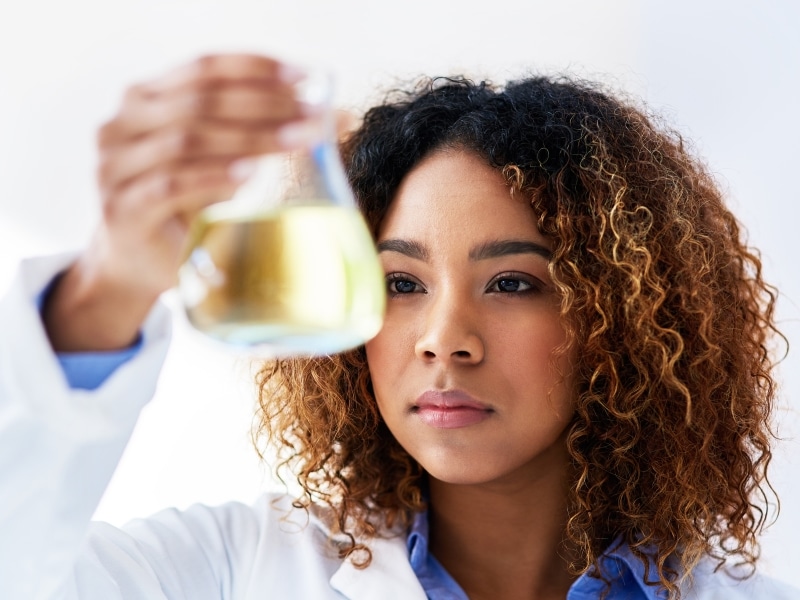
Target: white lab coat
column 59, row 448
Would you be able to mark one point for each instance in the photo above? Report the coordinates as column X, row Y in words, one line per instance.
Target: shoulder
column 272, row 519
column 733, row 583
column 232, row 547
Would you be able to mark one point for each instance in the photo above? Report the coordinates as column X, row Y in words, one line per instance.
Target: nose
column 450, row 333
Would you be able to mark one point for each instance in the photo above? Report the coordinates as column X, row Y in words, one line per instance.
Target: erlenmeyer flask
column 288, row 263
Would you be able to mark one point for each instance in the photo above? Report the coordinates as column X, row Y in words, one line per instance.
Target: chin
column 458, row 472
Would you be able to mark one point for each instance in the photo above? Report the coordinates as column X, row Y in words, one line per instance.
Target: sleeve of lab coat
column 58, row 446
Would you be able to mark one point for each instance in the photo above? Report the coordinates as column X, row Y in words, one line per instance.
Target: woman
column 570, row 396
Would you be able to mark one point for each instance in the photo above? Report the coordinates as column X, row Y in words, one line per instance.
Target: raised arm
column 177, row 144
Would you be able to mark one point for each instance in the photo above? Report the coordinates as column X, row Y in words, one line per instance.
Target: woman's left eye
column 510, row 285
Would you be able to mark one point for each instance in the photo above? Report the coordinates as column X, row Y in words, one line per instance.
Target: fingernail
column 242, row 169
column 303, row 133
column 312, row 110
column 291, row 73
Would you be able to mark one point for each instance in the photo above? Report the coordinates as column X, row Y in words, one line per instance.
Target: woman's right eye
column 399, row 284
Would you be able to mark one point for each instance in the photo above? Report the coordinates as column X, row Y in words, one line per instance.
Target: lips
column 450, row 409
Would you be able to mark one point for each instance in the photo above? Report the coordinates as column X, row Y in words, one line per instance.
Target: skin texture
column 488, row 327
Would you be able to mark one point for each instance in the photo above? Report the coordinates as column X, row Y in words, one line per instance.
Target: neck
column 504, row 539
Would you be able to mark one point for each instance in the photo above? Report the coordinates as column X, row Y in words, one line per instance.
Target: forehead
column 455, row 195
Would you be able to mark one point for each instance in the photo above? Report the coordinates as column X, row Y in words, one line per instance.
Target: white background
column 727, row 74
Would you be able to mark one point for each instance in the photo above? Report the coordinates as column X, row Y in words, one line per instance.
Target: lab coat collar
column 389, row 575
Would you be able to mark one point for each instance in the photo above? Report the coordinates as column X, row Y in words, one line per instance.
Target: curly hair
column 662, row 299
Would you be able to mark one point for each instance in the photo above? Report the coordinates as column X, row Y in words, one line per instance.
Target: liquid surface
column 301, row 280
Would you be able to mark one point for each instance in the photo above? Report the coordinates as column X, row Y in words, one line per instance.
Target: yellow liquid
column 302, row 280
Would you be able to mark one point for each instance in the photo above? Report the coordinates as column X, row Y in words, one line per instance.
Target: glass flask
column 287, row 265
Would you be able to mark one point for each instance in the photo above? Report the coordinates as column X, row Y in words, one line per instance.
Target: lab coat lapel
column 389, row 576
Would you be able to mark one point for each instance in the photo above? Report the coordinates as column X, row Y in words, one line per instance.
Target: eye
column 512, row 283
column 400, row 284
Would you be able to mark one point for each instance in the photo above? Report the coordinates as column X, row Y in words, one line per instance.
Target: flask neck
column 332, row 182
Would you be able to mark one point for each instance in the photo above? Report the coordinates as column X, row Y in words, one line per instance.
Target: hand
column 177, row 144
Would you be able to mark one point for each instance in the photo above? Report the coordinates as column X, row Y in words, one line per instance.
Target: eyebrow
column 407, row 247
column 507, row 247
column 485, row 251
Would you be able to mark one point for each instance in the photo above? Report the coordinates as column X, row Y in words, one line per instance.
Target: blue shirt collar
column 625, row 571
column 436, row 581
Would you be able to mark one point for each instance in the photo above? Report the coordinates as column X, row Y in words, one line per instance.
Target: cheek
column 530, row 357
column 390, row 360
column 381, row 369
column 526, row 341
column 390, row 351
column 375, row 356
column 381, row 360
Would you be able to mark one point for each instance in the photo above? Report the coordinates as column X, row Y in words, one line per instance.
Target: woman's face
column 463, row 368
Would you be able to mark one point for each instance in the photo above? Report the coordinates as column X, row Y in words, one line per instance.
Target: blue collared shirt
column 620, row 566
column 88, row 370
column 435, row 580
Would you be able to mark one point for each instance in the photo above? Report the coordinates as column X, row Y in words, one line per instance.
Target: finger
column 149, row 105
column 249, row 104
column 161, row 195
column 245, row 105
column 226, row 68
column 210, row 140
